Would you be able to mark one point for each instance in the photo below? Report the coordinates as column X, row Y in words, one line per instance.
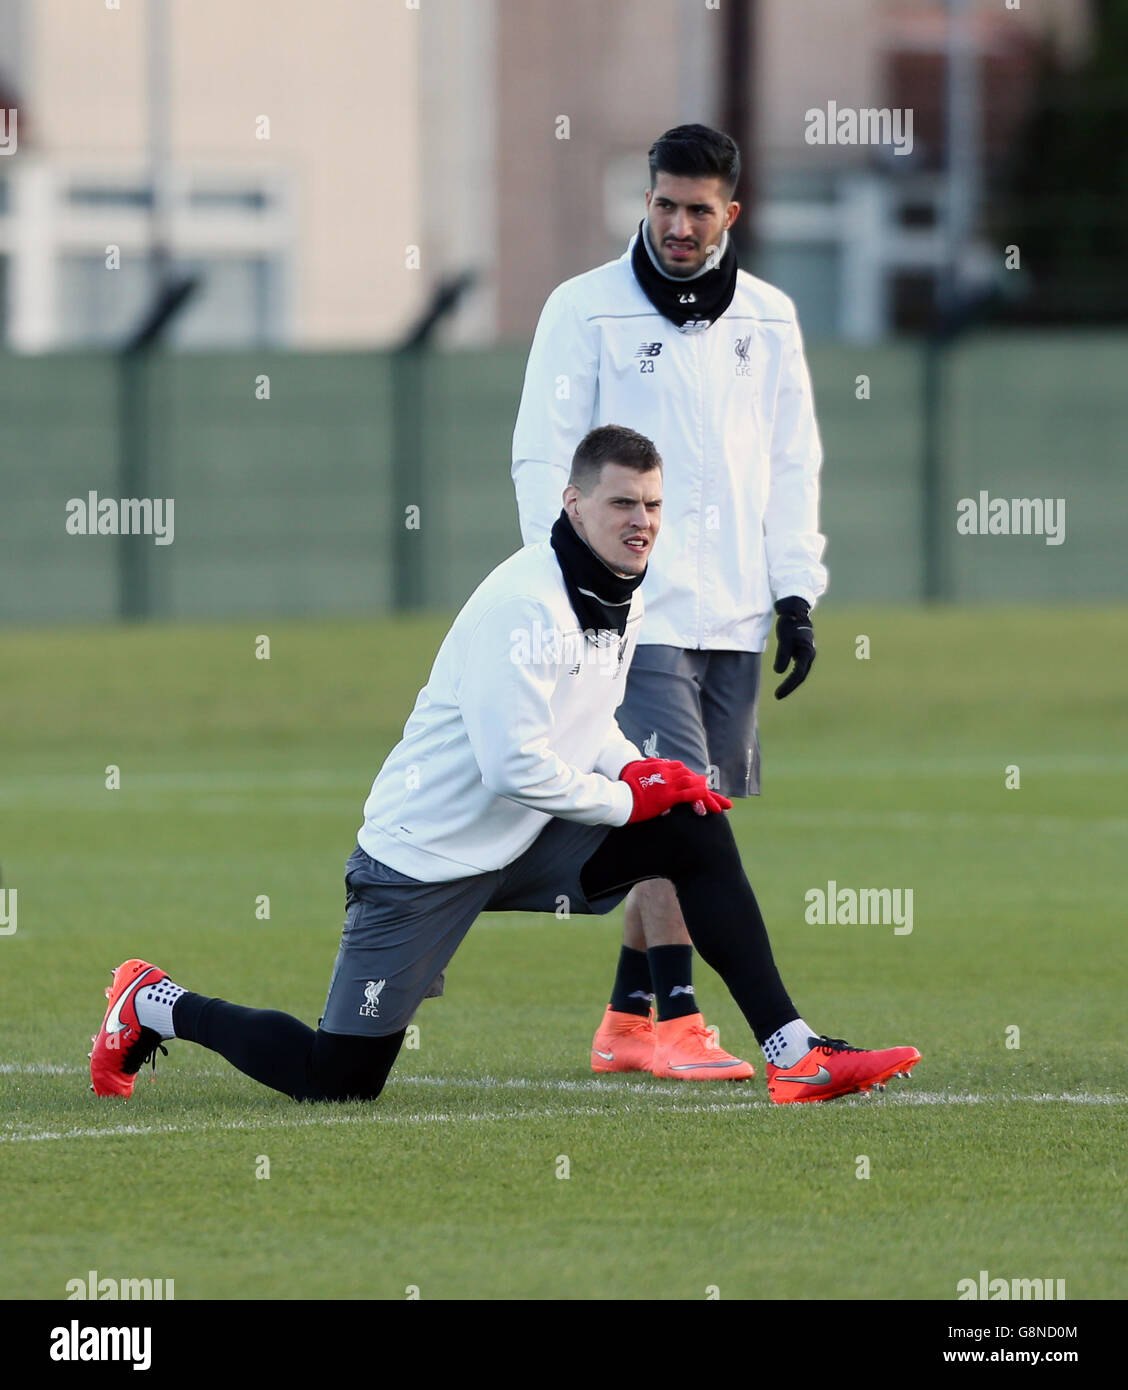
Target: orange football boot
column 122, row 1046
column 623, row 1042
column 686, row 1050
column 834, row 1068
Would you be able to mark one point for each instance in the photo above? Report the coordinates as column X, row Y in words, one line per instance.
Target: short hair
column 611, row 444
column 696, row 152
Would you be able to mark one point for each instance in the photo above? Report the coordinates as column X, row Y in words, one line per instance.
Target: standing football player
column 513, row 788
column 675, row 341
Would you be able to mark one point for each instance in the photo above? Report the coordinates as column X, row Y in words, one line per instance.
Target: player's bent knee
column 344, row 1067
column 683, row 837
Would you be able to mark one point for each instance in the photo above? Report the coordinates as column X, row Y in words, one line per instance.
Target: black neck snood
column 600, row 598
column 692, row 304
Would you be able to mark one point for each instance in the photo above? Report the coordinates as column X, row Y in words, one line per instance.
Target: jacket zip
column 701, row 511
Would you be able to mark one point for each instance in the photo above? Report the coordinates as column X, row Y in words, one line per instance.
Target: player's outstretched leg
column 699, row 855
column 147, row 1009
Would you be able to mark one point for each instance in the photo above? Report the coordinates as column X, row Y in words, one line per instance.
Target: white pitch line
column 901, row 1098
column 316, row 1121
column 617, row 1085
column 66, row 784
column 223, row 801
column 521, row 1083
column 606, row 1085
column 38, row 1069
column 910, row 1097
column 662, row 1088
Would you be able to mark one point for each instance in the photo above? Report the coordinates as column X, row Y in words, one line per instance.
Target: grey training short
column 399, row 933
column 700, row 708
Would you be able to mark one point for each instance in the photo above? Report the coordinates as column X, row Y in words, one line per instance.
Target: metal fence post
column 135, row 421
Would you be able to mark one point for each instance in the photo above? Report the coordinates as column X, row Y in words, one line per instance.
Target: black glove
column 796, row 638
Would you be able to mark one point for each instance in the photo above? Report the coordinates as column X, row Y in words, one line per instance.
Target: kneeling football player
column 513, row 788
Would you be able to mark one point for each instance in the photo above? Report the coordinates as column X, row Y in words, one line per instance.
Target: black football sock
column 633, row 990
column 268, row 1046
column 285, row 1054
column 699, row 856
column 671, row 969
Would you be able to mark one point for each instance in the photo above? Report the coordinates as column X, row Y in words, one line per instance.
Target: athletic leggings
column 697, row 853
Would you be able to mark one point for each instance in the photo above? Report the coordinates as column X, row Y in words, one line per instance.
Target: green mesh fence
column 289, row 505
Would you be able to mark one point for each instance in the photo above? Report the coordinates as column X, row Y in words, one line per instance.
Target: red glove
column 658, row 785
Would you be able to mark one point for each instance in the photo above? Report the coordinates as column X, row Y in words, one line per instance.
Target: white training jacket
column 731, row 412
column 515, row 725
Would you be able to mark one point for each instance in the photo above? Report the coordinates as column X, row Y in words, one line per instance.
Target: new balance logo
column 652, row 781
column 680, row 989
column 649, row 350
column 371, row 1007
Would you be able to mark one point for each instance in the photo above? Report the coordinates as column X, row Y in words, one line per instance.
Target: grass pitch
column 243, row 777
